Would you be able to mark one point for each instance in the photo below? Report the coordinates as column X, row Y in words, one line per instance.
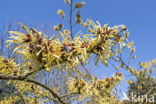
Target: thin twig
column 70, row 21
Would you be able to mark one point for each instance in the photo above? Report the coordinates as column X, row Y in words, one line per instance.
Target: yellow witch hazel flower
column 130, row 44
column 154, row 61
column 134, row 71
column 78, row 86
column 56, row 28
column 66, row 31
column 146, row 65
column 133, row 49
column 67, row 1
column 61, row 12
column 139, row 87
column 79, row 5
column 7, row 66
column 129, row 81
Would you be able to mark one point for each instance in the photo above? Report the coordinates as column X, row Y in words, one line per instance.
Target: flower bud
column 133, row 49
column 67, row 1
column 61, row 12
column 56, row 28
column 80, row 4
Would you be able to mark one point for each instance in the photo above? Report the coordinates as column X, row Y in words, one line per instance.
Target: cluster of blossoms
column 146, row 69
column 146, row 65
column 145, row 81
column 146, row 72
column 10, row 100
column 39, row 94
column 99, row 90
column 66, row 53
column 9, row 67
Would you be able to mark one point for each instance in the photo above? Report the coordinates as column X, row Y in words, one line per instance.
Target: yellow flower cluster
column 54, row 52
column 146, row 65
column 78, row 86
column 134, row 72
column 130, row 82
column 23, row 87
column 7, row 66
column 98, row 89
column 10, row 100
column 154, row 61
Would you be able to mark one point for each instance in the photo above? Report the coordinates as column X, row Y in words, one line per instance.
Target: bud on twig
column 67, row 1
column 80, row 4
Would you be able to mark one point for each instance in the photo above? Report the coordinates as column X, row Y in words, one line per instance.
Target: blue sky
column 138, row 15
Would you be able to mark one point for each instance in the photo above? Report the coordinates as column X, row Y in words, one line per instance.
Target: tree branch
column 23, row 78
column 70, row 21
